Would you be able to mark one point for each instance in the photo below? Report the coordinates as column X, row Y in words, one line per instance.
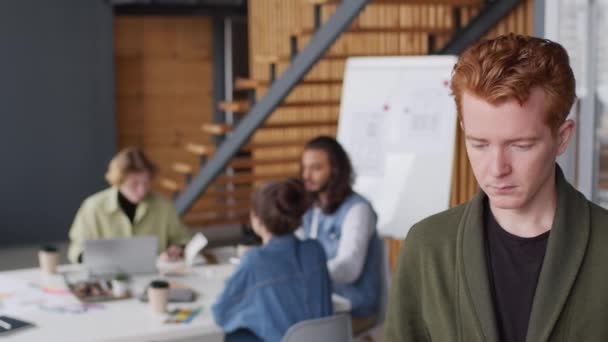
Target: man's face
column 511, row 148
column 316, row 170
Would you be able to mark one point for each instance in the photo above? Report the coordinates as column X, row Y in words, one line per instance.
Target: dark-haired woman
column 281, row 283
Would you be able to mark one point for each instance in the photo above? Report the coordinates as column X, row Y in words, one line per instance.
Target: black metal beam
column 293, row 46
column 218, row 69
column 487, row 18
column 273, row 71
column 317, row 16
column 319, row 44
column 182, row 7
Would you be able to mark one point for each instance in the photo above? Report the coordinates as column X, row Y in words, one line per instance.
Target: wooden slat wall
column 272, row 22
column 163, row 84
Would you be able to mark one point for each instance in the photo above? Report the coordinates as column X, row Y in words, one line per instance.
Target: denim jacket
column 275, row 286
column 363, row 293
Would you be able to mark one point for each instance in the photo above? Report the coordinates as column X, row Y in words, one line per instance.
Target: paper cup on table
column 48, row 258
column 158, row 296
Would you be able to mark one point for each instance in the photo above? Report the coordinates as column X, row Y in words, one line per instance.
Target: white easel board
column 398, row 124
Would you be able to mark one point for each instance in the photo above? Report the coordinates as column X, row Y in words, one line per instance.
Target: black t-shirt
column 127, row 206
column 514, row 264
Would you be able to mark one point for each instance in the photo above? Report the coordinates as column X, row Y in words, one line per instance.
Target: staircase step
column 234, row 106
column 245, row 84
column 216, row 128
column 275, row 144
column 243, row 106
column 310, row 103
column 266, row 59
column 246, row 162
column 221, row 129
column 200, row 149
column 170, row 184
column 303, row 123
column 182, row 168
column 249, row 178
column 218, row 197
column 240, row 178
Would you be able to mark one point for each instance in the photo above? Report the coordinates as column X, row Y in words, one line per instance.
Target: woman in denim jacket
column 281, row 283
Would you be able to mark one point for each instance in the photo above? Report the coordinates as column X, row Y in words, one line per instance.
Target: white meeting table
column 124, row 320
column 130, row 319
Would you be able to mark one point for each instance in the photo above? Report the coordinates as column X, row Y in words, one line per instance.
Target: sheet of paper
column 51, row 295
column 10, row 285
column 341, row 304
column 364, row 134
column 194, row 247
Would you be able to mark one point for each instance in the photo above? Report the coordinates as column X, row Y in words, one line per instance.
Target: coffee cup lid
column 48, row 248
column 159, row 284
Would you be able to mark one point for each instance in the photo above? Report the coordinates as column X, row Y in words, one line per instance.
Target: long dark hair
column 342, row 176
column 280, row 205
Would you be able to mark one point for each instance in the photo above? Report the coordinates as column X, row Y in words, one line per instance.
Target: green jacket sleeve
column 404, row 321
column 178, row 232
column 83, row 228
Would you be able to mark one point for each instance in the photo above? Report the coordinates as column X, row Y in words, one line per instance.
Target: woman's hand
column 172, row 253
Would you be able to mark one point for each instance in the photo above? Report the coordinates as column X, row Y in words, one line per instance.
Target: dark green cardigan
column 441, row 292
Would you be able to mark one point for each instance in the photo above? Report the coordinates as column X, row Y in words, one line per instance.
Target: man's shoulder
column 599, row 215
column 356, row 197
column 359, row 203
column 438, row 228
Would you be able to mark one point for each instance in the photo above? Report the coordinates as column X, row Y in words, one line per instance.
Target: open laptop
column 129, row 255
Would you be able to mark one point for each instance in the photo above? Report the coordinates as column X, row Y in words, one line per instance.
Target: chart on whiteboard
column 400, row 119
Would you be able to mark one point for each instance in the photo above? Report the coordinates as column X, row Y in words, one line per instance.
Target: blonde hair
column 129, row 160
column 509, row 66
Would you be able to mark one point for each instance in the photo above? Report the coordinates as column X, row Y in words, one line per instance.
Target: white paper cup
column 158, row 296
column 48, row 258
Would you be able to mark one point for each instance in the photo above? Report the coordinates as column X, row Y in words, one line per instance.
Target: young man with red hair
column 523, row 260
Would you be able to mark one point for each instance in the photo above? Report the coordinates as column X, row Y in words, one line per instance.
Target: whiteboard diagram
column 398, row 124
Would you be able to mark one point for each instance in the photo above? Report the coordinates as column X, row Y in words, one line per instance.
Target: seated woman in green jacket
column 128, row 208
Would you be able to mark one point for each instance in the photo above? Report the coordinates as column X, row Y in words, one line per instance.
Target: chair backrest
column 335, row 328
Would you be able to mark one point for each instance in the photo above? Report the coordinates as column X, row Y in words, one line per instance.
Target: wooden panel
column 128, row 40
column 163, row 85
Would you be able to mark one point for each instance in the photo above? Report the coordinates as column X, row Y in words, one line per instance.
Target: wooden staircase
column 312, row 108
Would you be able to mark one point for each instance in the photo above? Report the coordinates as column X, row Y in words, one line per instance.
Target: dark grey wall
column 57, row 115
